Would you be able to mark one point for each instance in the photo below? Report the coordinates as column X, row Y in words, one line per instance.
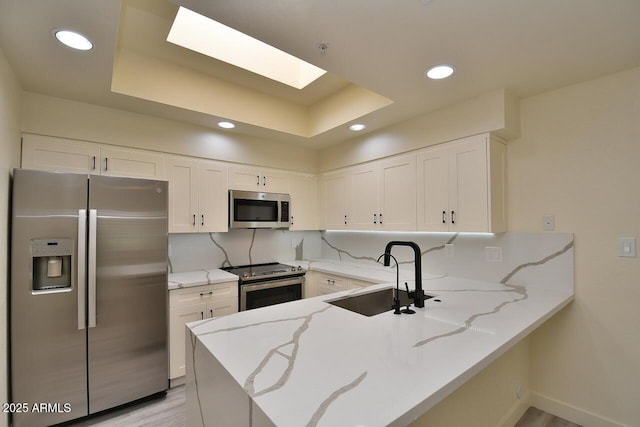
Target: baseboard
column 515, row 413
column 570, row 412
column 176, row 382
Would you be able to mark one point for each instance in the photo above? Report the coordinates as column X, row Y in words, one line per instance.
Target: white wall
column 579, row 158
column 495, row 112
column 10, row 100
column 46, row 115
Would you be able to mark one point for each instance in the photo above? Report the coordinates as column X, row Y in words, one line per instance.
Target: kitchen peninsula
column 309, row 363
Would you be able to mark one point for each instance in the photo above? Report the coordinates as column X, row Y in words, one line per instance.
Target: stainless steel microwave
column 252, row 209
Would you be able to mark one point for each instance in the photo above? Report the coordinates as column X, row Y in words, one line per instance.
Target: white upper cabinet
column 383, row 194
column 250, row 178
column 131, row 163
column 397, row 193
column 303, row 212
column 364, row 194
column 333, row 201
column 461, row 186
column 213, row 196
column 197, row 195
column 58, row 154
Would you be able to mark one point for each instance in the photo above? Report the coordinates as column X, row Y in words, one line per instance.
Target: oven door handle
column 272, row 284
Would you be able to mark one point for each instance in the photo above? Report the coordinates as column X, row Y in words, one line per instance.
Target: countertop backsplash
column 204, row 251
column 529, row 259
column 538, row 259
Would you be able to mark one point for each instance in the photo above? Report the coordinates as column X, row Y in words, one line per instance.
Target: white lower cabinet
column 191, row 304
column 330, row 283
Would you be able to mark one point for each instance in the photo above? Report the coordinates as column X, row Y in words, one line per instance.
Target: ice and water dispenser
column 51, row 260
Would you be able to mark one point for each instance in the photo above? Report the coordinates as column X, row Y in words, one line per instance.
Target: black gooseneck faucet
column 418, row 294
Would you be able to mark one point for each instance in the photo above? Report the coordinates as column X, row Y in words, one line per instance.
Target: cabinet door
column 131, row 163
column 363, row 197
column 183, row 195
column 398, row 193
column 178, row 317
column 302, row 188
column 274, row 181
column 468, row 183
column 221, row 307
column 334, row 201
column 244, row 178
column 433, row 189
column 213, row 197
column 57, row 154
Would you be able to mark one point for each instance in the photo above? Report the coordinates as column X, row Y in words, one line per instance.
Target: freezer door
column 48, row 341
column 127, row 315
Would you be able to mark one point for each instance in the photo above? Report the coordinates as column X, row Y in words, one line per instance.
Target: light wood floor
column 534, row 417
column 169, row 412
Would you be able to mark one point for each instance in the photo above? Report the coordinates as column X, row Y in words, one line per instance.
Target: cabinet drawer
column 358, row 284
column 199, row 294
column 328, row 284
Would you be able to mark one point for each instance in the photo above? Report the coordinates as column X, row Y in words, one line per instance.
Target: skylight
column 204, row 35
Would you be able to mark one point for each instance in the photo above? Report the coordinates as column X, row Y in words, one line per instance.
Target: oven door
column 262, row 294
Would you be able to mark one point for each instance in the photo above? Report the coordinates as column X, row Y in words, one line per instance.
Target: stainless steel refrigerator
column 88, row 294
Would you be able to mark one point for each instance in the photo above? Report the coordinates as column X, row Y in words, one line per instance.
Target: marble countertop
column 199, row 278
column 311, row 363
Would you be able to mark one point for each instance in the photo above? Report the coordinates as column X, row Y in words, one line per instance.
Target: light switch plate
column 627, row 247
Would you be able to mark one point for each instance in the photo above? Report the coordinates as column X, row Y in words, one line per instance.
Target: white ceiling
column 525, row 46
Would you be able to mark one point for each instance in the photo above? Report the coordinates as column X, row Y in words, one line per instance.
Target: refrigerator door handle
column 93, row 222
column 82, row 263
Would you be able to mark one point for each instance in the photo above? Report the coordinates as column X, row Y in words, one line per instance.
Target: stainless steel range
column 267, row 284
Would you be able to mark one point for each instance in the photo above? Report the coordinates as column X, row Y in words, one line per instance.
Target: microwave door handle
column 82, row 262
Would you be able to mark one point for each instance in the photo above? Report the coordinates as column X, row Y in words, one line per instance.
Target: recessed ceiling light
column 226, row 125
column 73, row 40
column 357, row 127
column 438, row 72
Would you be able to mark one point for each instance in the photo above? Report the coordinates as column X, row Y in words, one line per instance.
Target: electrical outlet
column 548, row 222
column 493, row 253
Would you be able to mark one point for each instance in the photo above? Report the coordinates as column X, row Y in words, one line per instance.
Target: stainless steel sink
column 372, row 303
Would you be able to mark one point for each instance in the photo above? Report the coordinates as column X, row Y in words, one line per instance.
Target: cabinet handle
column 202, row 315
column 211, row 312
column 375, row 218
column 345, row 219
column 264, row 180
column 257, row 179
column 106, row 164
column 380, row 218
column 291, row 219
column 194, row 220
column 94, row 163
column 206, row 293
column 444, row 217
column 453, row 217
column 202, row 220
